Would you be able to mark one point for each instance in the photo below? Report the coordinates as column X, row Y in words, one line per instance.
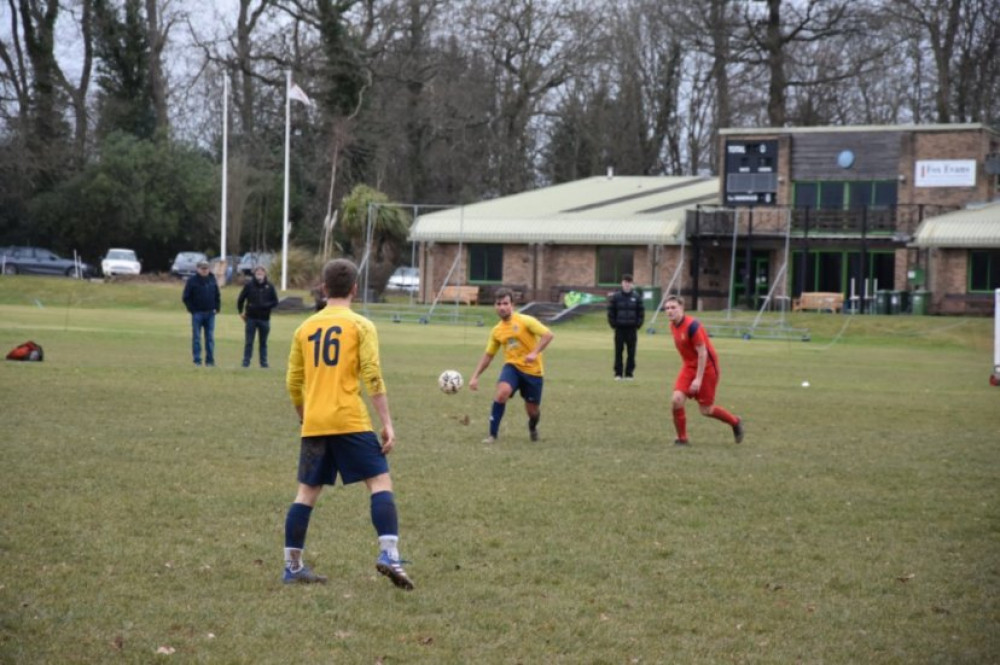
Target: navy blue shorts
column 354, row 457
column 529, row 385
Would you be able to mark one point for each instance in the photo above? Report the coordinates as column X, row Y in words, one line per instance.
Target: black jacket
column 260, row 298
column 625, row 310
column 201, row 294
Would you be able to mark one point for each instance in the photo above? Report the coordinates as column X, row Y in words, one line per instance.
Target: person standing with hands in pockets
column 260, row 298
column 626, row 314
column 203, row 301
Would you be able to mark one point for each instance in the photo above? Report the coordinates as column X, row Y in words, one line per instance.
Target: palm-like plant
column 376, row 228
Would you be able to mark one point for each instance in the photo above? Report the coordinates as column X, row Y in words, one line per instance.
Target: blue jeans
column 206, row 321
column 252, row 326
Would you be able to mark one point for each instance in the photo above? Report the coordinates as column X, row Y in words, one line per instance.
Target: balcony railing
column 899, row 220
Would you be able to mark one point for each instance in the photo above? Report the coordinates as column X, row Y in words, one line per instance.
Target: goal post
column 995, row 377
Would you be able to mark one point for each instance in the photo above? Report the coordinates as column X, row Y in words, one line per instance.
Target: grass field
column 142, row 500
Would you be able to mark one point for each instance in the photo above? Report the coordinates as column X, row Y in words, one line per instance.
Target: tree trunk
column 46, row 137
column 157, row 80
column 720, row 62
column 774, row 47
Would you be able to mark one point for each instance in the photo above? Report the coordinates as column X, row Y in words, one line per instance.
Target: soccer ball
column 450, row 381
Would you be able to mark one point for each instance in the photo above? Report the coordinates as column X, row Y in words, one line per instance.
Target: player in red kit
column 699, row 373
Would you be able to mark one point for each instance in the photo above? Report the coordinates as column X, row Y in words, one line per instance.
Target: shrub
column 304, row 268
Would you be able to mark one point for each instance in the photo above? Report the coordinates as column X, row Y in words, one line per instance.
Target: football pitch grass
column 143, row 499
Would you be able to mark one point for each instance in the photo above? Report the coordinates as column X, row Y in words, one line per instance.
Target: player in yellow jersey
column 522, row 338
column 333, row 353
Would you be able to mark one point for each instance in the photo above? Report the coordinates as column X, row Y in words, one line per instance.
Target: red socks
column 680, row 424
column 721, row 414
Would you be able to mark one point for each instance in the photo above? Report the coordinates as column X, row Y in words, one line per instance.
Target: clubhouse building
column 861, row 211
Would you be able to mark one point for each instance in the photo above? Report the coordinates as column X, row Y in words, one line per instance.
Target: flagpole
column 225, row 169
column 284, row 221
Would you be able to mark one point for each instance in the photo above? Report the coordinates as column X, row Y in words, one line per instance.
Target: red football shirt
column 690, row 334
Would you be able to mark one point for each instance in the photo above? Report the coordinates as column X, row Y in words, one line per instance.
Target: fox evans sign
column 945, row 173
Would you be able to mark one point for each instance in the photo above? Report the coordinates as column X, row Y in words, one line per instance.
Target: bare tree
column 534, row 48
column 771, row 40
column 977, row 66
column 712, row 28
column 939, row 21
column 649, row 71
column 15, row 77
column 45, row 130
column 78, row 92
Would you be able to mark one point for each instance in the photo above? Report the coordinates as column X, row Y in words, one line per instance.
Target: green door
column 759, row 277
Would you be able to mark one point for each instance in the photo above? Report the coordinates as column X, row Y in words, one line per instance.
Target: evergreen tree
column 123, row 53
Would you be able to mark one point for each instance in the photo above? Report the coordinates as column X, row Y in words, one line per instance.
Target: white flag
column 299, row 95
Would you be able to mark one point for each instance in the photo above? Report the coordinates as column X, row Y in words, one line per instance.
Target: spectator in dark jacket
column 626, row 315
column 201, row 297
column 260, row 298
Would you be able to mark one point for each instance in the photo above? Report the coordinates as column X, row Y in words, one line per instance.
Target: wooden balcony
column 898, row 221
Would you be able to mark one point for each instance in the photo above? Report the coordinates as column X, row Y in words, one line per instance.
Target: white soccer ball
column 450, row 381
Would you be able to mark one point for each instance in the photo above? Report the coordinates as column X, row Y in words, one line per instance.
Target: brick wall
column 949, row 275
column 518, row 265
column 437, row 261
column 542, row 269
column 569, row 266
column 943, row 146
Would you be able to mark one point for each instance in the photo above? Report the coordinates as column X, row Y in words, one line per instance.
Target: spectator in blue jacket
column 203, row 301
column 260, row 298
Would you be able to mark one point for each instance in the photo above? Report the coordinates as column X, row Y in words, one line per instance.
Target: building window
column 837, row 195
column 834, row 270
column 831, row 196
column 806, row 194
column 984, row 270
column 885, row 194
column 485, row 263
column 882, row 268
column 830, row 272
column 861, row 194
column 612, row 263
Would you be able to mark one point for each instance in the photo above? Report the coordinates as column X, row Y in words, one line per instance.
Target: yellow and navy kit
column 518, row 335
column 333, row 352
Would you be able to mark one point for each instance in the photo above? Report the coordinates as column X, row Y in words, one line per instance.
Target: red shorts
column 709, row 380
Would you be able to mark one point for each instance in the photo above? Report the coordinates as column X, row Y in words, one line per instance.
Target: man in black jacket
column 260, row 298
column 626, row 315
column 202, row 299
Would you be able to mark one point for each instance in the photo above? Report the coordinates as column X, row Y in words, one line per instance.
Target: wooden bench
column 487, row 292
column 468, row 295
column 819, row 300
column 973, row 304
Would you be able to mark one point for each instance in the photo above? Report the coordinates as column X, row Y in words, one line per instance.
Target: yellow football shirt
column 333, row 352
column 517, row 336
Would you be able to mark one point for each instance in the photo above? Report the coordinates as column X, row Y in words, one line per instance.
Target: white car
column 405, row 279
column 120, row 262
column 251, row 260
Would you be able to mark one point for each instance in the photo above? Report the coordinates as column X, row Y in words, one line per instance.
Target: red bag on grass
column 26, row 351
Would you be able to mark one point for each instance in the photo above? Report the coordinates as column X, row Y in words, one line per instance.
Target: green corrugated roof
column 972, row 227
column 853, row 129
column 630, row 210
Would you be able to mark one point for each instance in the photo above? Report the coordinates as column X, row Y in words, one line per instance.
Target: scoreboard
column 751, row 172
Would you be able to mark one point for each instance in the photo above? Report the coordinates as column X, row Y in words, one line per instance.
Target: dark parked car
column 186, row 263
column 38, row 261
